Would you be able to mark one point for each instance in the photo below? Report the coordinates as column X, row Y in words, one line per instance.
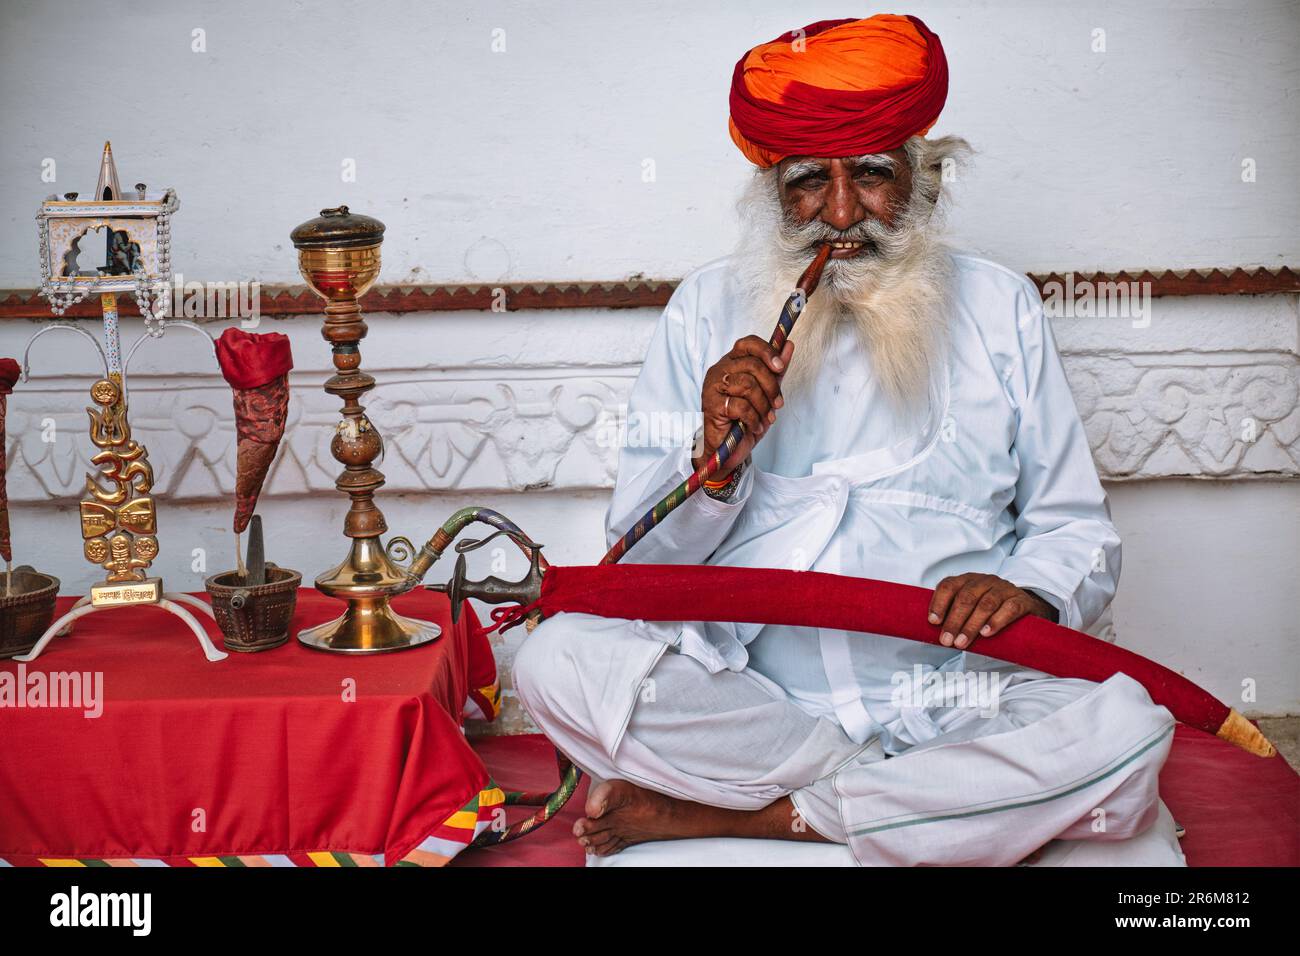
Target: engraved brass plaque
column 148, row 591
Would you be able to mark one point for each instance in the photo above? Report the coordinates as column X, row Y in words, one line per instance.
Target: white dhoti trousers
column 1061, row 759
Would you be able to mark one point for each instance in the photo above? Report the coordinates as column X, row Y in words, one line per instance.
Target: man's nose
column 842, row 210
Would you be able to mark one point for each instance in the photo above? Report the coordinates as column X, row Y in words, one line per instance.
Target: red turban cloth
column 838, row 88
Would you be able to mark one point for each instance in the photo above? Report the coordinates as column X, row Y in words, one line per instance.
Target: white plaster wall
column 1209, row 583
column 529, row 164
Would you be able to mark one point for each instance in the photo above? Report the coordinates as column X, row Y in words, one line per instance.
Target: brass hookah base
column 367, row 580
column 338, row 256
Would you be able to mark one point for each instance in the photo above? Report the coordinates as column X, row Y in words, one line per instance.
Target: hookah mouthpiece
column 812, row 276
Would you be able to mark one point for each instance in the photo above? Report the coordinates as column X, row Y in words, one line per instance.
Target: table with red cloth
column 262, row 759
column 285, row 757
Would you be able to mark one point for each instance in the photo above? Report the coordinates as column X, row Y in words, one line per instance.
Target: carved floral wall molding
column 1154, row 420
column 504, row 429
column 446, row 434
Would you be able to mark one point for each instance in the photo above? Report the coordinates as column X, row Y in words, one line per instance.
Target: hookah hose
column 549, row 803
column 570, row 776
column 443, row 537
column 794, row 305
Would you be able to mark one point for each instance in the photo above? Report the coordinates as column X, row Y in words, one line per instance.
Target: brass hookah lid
column 338, row 229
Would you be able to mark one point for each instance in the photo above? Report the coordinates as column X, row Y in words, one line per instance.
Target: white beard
column 895, row 293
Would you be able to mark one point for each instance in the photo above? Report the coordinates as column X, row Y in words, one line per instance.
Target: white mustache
column 870, row 233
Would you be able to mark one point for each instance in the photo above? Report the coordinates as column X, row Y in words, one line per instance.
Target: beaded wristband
column 726, row 489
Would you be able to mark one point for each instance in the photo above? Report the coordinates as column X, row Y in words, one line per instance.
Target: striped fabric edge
column 1028, row 800
column 484, row 703
column 438, row 849
column 458, row 831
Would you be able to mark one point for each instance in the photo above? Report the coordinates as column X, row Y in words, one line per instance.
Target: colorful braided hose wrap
column 549, row 804
column 794, row 305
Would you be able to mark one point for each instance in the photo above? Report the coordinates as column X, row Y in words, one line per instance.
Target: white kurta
column 998, row 478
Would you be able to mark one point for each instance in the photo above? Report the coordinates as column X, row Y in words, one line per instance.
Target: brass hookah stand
column 338, row 256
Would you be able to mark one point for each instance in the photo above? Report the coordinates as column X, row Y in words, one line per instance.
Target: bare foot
column 620, row 814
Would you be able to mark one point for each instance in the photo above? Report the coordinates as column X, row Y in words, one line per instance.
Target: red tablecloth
column 288, row 756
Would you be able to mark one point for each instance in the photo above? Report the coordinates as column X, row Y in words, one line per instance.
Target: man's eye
column 811, row 182
column 874, row 172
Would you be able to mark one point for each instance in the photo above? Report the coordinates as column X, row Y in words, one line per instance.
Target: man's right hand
column 745, row 386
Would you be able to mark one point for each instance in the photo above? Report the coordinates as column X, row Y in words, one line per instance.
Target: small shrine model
column 116, row 241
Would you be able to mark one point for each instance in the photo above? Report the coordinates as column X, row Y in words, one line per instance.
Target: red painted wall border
column 634, row 294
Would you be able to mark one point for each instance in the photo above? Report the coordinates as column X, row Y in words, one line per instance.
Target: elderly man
column 917, row 428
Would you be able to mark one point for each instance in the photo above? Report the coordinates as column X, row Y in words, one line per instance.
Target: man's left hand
column 981, row 605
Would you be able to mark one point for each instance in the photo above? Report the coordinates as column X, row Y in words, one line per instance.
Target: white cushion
column 1157, row 846
column 728, row 852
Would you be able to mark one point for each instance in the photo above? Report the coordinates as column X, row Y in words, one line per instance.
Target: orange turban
column 838, row 88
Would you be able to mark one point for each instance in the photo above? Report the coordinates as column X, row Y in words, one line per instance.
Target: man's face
column 844, row 193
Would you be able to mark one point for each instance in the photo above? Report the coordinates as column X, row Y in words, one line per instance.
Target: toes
column 587, row 827
column 598, row 842
column 609, row 848
column 609, row 795
column 598, row 801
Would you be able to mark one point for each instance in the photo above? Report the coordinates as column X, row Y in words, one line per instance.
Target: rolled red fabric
column 251, row 359
column 10, row 372
column 838, row 88
column 674, row 592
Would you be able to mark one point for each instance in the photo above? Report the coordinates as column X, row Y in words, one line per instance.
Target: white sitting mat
column 1158, row 846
